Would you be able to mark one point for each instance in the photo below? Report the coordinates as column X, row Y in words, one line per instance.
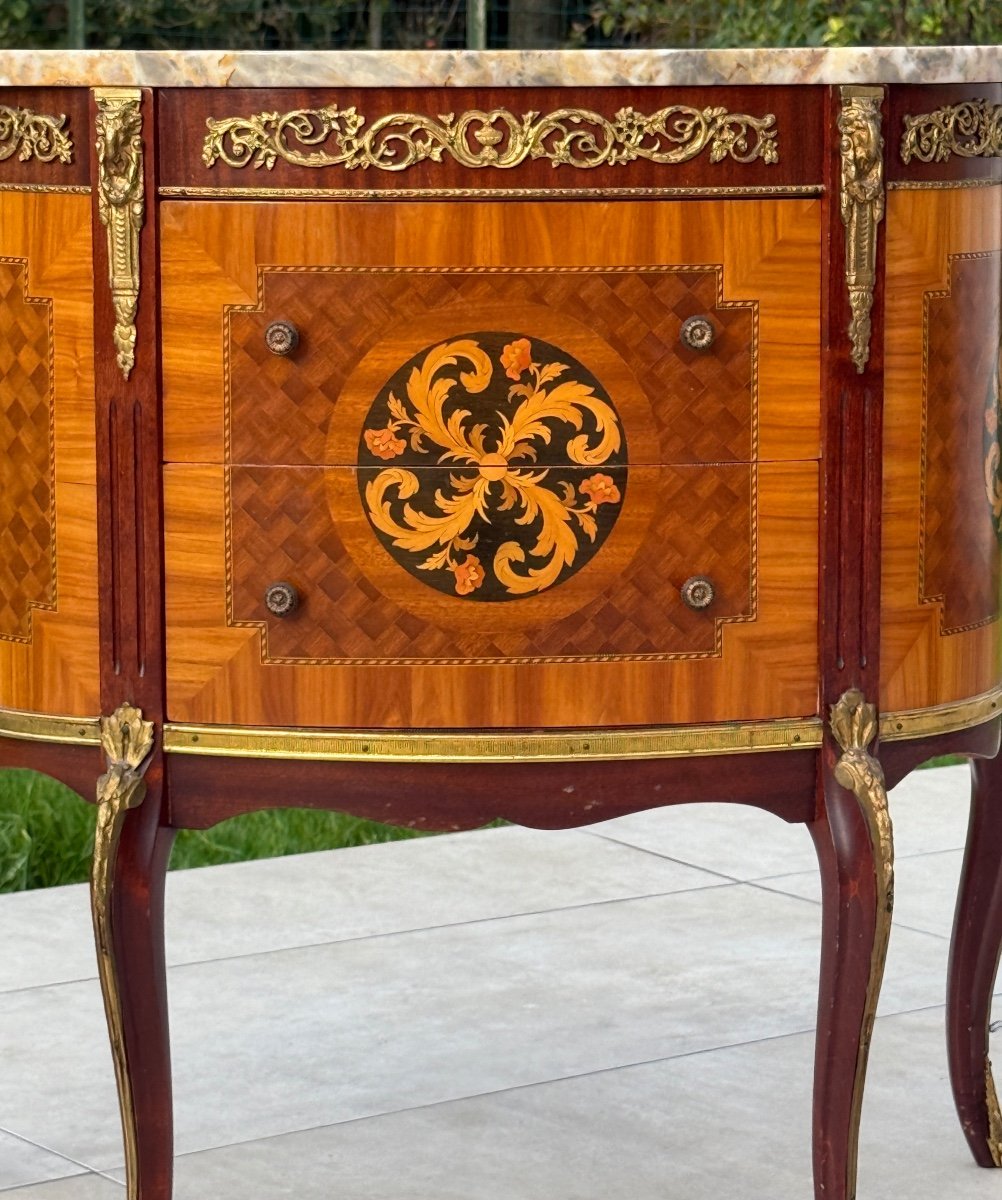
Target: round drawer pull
column 281, row 337
column 697, row 333
column 281, row 599
column 698, row 592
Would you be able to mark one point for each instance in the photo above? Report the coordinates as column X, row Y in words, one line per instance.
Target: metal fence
column 292, row 24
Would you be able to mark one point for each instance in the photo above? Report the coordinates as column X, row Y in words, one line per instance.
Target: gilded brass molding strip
column 40, row 727
column 555, row 193
column 862, row 205
column 127, row 741
column 460, row 747
column 854, row 725
column 122, row 206
column 928, row 185
column 972, row 129
column 35, row 135
column 574, row 137
column 944, row 718
column 79, row 189
column 994, row 1116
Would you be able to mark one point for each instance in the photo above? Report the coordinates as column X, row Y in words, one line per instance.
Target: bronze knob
column 281, row 337
column 281, row 599
column 697, row 333
column 698, row 592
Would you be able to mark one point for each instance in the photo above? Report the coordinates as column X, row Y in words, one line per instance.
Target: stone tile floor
column 624, row 1012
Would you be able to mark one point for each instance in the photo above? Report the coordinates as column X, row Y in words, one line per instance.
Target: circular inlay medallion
column 492, row 466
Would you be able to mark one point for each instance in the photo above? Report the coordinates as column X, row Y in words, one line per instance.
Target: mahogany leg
column 855, row 851
column 974, row 956
column 131, row 852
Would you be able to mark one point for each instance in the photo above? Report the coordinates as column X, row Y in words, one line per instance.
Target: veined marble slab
column 498, row 68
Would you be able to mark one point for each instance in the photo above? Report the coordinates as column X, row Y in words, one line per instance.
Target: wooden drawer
column 491, row 462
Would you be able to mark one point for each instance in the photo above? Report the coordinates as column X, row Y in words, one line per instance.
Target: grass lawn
column 47, row 834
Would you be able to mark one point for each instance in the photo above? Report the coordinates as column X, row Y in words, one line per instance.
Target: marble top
column 498, row 68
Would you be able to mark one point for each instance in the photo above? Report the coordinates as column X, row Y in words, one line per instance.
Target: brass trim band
column 78, row 189
column 928, row 185
column 944, row 718
column 458, row 746
column 581, row 193
column 493, row 747
column 40, row 727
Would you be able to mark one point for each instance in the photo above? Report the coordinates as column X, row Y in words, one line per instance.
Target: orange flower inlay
column 384, row 443
column 469, row 575
column 601, row 489
column 516, row 358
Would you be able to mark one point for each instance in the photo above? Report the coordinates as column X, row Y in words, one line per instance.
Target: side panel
column 48, row 571
column 942, row 508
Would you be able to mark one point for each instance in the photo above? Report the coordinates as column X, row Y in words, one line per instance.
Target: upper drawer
column 661, row 332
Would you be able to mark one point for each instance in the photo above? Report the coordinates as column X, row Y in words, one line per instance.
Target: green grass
column 47, row 834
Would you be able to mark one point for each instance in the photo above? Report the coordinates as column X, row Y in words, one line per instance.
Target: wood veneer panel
column 770, row 251
column 49, row 662
column 32, row 171
column 766, row 667
column 923, row 662
column 918, row 99
column 185, row 111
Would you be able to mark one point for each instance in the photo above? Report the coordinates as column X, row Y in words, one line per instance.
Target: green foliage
column 791, row 23
column 47, row 834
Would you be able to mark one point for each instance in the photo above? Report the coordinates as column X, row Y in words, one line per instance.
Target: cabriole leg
column 855, row 850
column 131, row 852
column 974, row 956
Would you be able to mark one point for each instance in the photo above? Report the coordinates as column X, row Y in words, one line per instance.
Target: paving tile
column 929, row 809
column 46, row 937
column 729, row 1122
column 272, row 1043
column 80, row 1187
column 23, row 1163
column 925, row 890
column 307, row 899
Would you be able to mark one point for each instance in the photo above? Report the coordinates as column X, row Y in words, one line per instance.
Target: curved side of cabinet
column 942, row 502
column 48, row 550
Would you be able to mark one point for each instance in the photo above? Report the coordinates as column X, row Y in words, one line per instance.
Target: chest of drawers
column 628, row 436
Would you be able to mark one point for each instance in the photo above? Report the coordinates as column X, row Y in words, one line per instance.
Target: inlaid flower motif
column 516, row 358
column 992, row 448
column 469, row 575
column 601, row 489
column 511, row 452
column 384, row 443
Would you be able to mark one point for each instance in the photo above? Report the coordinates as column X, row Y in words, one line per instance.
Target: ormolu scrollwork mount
column 604, row 443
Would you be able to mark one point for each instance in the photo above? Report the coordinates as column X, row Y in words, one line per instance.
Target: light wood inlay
column 922, row 664
column 56, row 670
column 212, row 253
column 766, row 668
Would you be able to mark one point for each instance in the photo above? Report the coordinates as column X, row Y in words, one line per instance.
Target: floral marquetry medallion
column 492, row 465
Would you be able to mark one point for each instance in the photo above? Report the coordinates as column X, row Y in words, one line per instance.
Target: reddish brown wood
column 52, row 102
column 974, row 956
column 849, row 926
column 206, row 790
column 901, row 758
column 185, row 111
column 918, row 99
column 130, row 506
column 851, row 454
column 77, row 766
column 137, row 936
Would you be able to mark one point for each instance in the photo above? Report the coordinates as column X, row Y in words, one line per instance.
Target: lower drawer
column 559, row 603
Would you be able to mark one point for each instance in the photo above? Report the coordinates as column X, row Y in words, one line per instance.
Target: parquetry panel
column 281, row 528
column 27, row 512
column 960, row 556
column 279, row 410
